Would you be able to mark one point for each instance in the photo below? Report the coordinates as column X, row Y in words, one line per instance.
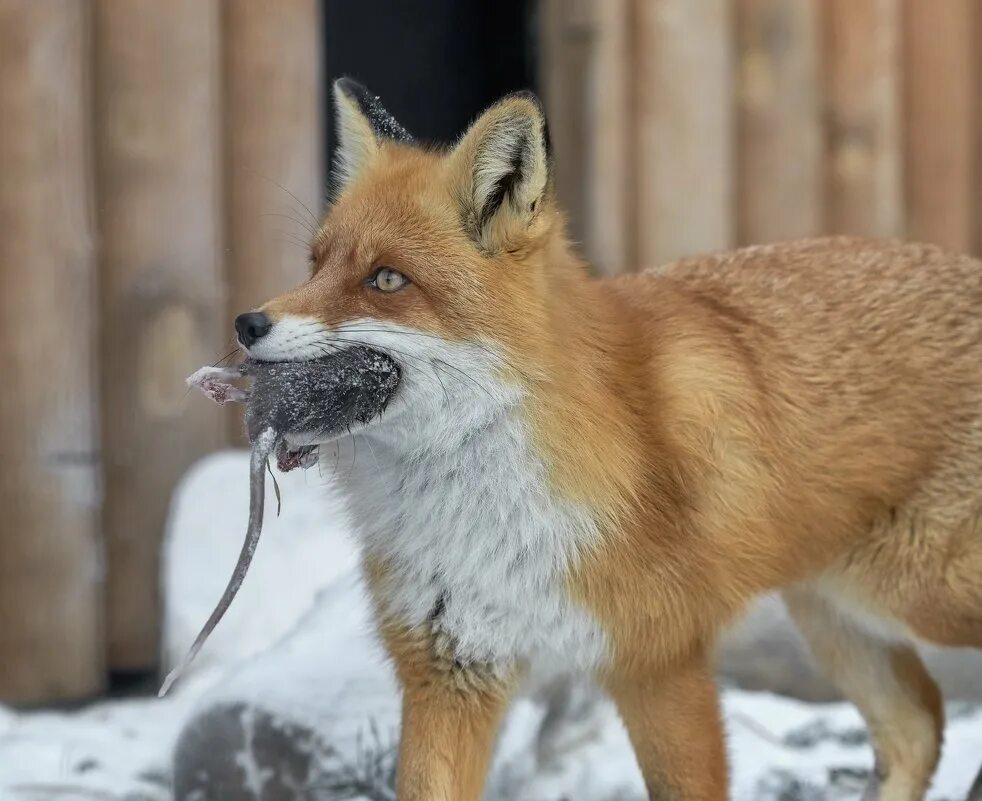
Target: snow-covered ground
column 122, row 750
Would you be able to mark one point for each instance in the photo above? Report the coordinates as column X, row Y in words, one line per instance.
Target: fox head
column 439, row 258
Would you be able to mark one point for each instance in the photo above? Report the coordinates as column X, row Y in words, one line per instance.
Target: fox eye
column 388, row 280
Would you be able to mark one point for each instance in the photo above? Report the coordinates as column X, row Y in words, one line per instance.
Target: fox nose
column 252, row 326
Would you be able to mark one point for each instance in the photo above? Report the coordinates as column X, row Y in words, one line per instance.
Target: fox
column 585, row 476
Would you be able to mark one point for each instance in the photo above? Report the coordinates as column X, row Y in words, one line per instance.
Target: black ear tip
column 531, row 97
column 350, row 87
column 383, row 123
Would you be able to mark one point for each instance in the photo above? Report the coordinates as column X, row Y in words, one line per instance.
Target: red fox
column 584, row 476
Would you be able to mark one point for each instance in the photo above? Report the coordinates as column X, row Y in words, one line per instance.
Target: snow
column 328, row 673
column 115, row 750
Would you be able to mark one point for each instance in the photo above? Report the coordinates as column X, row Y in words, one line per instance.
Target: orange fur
column 805, row 415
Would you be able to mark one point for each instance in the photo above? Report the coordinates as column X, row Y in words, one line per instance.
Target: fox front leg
column 448, row 736
column 450, row 718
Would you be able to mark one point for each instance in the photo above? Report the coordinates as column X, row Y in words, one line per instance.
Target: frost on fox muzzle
column 316, row 399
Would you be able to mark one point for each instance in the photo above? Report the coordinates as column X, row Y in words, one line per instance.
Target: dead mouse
column 290, row 407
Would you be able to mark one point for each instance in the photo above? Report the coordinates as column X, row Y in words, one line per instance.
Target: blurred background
column 162, row 164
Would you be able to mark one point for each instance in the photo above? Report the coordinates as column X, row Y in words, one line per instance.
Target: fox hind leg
column 887, row 681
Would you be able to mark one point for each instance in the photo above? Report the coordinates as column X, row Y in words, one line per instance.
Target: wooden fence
column 686, row 125
column 146, row 148
column 152, row 154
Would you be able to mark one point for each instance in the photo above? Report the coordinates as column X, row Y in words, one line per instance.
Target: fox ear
column 501, row 169
column 362, row 124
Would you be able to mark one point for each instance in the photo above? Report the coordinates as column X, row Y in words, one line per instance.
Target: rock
column 239, row 751
column 318, row 710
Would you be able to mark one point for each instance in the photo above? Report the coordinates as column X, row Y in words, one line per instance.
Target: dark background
column 434, row 63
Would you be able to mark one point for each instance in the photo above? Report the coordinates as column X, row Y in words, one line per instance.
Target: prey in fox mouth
column 290, row 402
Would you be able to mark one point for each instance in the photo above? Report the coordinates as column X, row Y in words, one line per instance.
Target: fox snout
column 267, row 336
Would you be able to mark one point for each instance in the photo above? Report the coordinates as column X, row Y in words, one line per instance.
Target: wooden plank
column 977, row 127
column 607, row 108
column 587, row 91
column 862, row 84
column 273, row 143
column 779, row 123
column 685, row 164
column 564, row 35
column 163, row 312
column 50, row 584
column 939, row 100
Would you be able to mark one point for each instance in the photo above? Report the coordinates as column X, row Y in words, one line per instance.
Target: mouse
column 289, row 409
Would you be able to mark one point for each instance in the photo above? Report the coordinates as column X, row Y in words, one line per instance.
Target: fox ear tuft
column 362, row 124
column 503, row 170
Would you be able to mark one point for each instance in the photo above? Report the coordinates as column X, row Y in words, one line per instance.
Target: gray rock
column 312, row 719
column 238, row 751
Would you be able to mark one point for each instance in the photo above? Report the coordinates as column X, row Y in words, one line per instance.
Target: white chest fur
column 472, row 530
column 447, row 489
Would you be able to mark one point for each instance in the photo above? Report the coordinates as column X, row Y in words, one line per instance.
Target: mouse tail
column 262, row 447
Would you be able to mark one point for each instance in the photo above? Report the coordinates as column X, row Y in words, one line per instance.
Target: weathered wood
column 50, row 572
column 862, row 84
column 564, row 37
column 940, row 86
column 273, row 143
column 587, row 91
column 685, row 168
column 779, row 123
column 163, row 315
column 977, row 146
